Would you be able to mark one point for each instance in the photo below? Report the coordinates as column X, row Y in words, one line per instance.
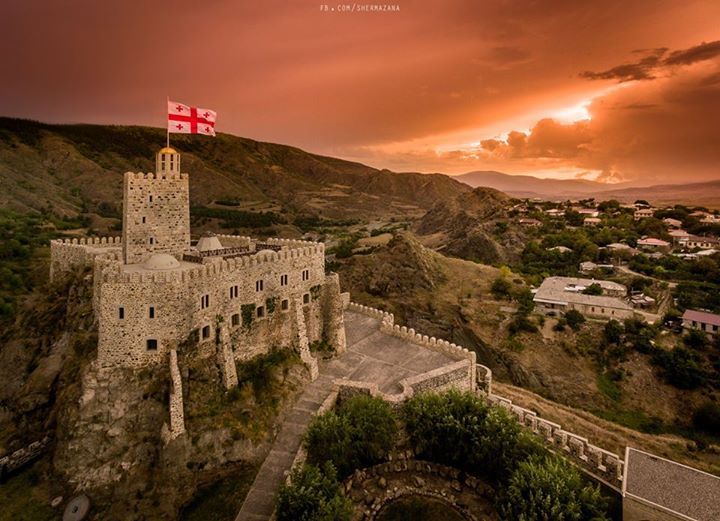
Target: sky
column 616, row 91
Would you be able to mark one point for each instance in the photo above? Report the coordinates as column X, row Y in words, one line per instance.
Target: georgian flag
column 183, row 119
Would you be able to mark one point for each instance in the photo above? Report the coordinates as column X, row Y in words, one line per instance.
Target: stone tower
column 156, row 210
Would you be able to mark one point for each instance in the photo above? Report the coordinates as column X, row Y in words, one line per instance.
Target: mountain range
column 526, row 186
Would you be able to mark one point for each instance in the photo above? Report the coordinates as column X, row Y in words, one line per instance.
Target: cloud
column 655, row 62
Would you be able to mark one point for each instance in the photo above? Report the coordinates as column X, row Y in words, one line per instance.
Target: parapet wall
column 388, row 326
column 214, row 269
column 599, row 463
column 68, row 254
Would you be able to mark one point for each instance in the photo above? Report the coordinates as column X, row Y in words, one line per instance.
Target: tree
column 359, row 434
column 550, row 488
column 313, row 495
column 707, row 418
column 593, row 289
column 501, row 288
column 574, row 319
column 680, row 367
column 695, row 339
column 612, row 333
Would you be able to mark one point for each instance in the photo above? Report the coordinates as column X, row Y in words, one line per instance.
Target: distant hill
column 525, row 186
column 78, row 168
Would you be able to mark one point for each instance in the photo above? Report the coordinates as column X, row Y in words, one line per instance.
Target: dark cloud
column 704, row 51
column 656, row 60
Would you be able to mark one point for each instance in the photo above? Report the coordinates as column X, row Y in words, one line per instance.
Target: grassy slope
column 69, row 168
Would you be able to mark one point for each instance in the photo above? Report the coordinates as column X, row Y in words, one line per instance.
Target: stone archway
column 375, row 488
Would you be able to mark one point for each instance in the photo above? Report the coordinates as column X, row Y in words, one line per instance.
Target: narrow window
column 259, row 285
column 234, row 291
column 283, row 280
column 306, row 275
column 151, row 344
column 285, row 305
column 151, row 311
column 206, row 332
column 143, row 220
column 306, row 298
column 121, row 313
column 150, row 198
column 260, row 311
column 235, row 320
column 204, row 301
column 152, row 241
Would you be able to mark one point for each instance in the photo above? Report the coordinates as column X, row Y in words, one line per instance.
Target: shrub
column 593, row 289
column 550, row 488
column 462, row 430
column 313, row 495
column 707, row 418
column 359, row 434
column 612, row 332
column 500, row 288
column 574, row 319
column 695, row 339
column 680, row 367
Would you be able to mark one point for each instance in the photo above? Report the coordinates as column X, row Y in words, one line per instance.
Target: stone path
column 371, row 356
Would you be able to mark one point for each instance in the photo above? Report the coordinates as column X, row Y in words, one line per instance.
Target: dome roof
column 161, row 261
column 167, row 150
column 209, row 243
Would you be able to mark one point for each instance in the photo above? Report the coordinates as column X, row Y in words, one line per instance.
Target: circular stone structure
column 418, row 508
column 77, row 509
column 161, row 261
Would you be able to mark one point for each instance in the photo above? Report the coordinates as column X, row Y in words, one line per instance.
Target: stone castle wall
column 177, row 301
column 68, row 254
column 156, row 215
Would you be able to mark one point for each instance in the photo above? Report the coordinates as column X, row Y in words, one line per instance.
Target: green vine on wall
column 248, row 312
column 315, row 292
column 271, row 304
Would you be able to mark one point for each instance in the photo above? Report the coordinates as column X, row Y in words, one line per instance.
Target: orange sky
column 619, row 90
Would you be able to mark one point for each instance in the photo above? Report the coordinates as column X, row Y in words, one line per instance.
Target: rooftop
column 569, row 289
column 656, row 480
column 702, row 316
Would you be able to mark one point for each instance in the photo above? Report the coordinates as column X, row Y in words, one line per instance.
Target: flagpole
column 167, row 126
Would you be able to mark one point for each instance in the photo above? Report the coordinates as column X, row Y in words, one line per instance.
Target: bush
column 462, row 430
column 574, row 319
column 313, row 495
column 593, row 289
column 500, row 288
column 680, row 367
column 550, row 488
column 358, row 435
column 695, row 339
column 707, row 418
column 612, row 332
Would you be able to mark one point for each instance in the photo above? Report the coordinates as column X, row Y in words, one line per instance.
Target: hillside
column 473, row 226
column 526, row 186
column 71, row 169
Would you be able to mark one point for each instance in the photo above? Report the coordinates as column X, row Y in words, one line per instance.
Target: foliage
column 695, row 339
column 238, row 218
column 315, row 291
column 608, row 387
column 307, row 223
column 462, row 430
column 247, row 311
column 258, row 370
column 707, row 418
column 681, row 367
column 24, row 498
column 345, row 248
column 574, row 319
column 313, row 494
column 271, row 304
column 359, row 434
column 612, row 332
column 550, row 489
column 593, row 289
column 501, row 288
column 220, row 499
column 418, row 508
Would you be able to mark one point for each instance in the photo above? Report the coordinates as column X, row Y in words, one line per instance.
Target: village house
column 591, row 221
column 561, row 294
column 672, row 223
column 643, row 213
column 695, row 241
column 679, row 237
column 533, row 223
column 588, row 212
column 701, row 321
column 651, row 243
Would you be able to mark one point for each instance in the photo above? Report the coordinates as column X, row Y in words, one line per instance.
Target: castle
column 155, row 288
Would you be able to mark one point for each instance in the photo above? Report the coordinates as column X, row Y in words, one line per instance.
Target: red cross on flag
column 184, row 119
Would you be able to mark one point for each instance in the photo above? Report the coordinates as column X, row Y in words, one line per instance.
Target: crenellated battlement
column 89, row 241
column 213, row 269
column 139, row 177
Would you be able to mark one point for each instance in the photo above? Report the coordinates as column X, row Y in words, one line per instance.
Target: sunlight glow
column 578, row 112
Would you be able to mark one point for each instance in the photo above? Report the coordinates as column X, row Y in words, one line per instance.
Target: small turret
column 167, row 161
